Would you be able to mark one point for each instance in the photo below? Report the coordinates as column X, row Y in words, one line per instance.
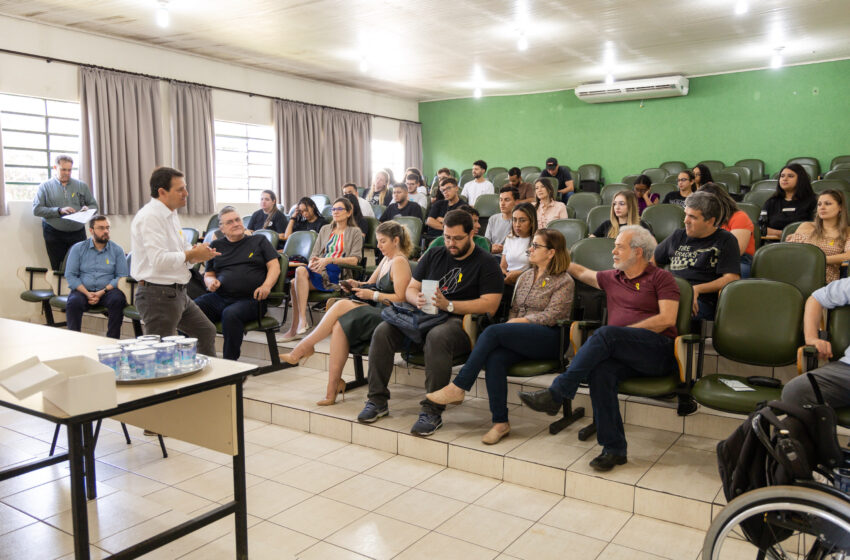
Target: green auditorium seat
column 744, row 174
column 731, row 180
column 597, row 216
column 608, row 192
column 583, row 202
column 789, row 229
column 414, row 228
column 573, row 230
column 661, row 189
column 800, row 264
column 629, row 179
column 674, row 167
column 752, row 211
column 764, row 185
column 656, row 174
column 664, row 219
column 756, row 167
column 758, row 197
column 713, row 165
column 810, row 164
column 272, row 237
column 191, row 235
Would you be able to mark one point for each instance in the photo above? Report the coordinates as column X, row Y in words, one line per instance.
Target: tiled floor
column 314, row 497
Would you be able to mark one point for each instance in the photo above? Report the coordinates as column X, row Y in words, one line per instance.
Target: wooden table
column 204, row 409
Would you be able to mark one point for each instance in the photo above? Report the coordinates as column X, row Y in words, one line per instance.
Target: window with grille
column 35, row 131
column 244, row 161
column 388, row 154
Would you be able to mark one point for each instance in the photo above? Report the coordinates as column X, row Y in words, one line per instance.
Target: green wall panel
column 767, row 114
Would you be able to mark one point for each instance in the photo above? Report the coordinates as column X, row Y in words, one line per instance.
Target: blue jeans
column 233, row 314
column 612, row 354
column 497, row 349
column 746, row 265
column 114, row 301
column 565, row 197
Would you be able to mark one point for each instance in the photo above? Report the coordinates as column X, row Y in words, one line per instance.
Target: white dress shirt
column 158, row 246
column 473, row 189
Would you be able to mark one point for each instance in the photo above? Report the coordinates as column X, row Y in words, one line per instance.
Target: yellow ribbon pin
column 459, row 277
column 831, row 243
column 107, row 260
column 637, row 285
column 251, row 255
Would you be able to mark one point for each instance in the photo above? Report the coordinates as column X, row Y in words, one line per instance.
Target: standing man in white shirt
column 161, row 262
column 479, row 184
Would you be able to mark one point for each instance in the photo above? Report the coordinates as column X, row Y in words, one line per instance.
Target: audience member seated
column 525, row 190
column 451, row 201
column 644, row 194
column 643, row 302
column 476, row 218
column 92, row 270
column 702, row 175
column 340, row 243
column 401, row 205
column 543, row 296
column 479, row 184
column 365, row 207
column 686, row 185
column 829, row 232
column 479, row 240
column 833, row 379
column 421, row 188
column 793, row 201
column 548, row 209
column 238, row 280
column 624, row 212
column 305, row 217
column 379, row 192
column 351, row 322
column 412, row 182
column 469, row 282
column 702, row 253
column 566, row 189
column 436, row 193
column 736, row 222
column 499, row 225
column 358, row 216
column 268, row 216
column 515, row 255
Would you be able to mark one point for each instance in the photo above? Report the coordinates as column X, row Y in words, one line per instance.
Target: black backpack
column 768, row 451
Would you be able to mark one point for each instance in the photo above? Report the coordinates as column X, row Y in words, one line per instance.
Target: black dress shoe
column 541, row 401
column 607, row 461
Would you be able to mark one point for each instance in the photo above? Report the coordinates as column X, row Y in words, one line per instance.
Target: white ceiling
column 433, row 49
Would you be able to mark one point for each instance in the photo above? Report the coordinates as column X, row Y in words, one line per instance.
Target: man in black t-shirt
column 566, row 188
column 452, row 201
column 401, row 205
column 238, row 280
column 703, row 254
column 470, row 281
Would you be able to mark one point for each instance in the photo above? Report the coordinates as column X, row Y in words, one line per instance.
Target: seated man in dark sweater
column 401, row 205
column 451, row 201
column 702, row 253
column 238, row 279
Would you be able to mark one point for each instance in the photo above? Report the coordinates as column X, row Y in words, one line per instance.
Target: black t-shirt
column 259, row 217
column 439, row 210
column 673, row 197
column 467, row 279
column 411, row 209
column 605, row 227
column 700, row 260
column 563, row 175
column 778, row 212
column 241, row 268
column 300, row 224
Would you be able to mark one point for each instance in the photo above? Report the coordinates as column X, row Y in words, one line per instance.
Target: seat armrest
column 683, row 352
column 806, row 359
column 471, row 326
column 34, row 269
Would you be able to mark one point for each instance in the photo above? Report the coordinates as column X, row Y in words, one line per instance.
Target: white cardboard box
column 85, row 385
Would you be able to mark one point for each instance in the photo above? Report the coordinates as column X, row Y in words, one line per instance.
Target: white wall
column 27, row 76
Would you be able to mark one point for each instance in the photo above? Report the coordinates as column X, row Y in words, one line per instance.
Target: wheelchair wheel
column 785, row 522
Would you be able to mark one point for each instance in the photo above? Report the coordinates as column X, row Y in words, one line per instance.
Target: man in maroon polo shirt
column 643, row 301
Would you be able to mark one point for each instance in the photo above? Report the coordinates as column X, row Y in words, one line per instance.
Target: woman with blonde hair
column 350, row 322
column 829, row 232
column 340, row 244
column 624, row 212
column 543, row 296
column 380, row 192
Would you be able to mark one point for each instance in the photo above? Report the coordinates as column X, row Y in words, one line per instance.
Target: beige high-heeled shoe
column 447, row 395
column 340, row 390
column 289, row 359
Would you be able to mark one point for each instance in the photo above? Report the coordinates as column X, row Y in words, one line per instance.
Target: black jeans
column 233, row 314
column 58, row 243
column 114, row 301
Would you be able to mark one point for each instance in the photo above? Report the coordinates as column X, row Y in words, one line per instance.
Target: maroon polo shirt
column 633, row 300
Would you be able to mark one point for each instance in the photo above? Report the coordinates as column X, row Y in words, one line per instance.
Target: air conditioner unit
column 649, row 88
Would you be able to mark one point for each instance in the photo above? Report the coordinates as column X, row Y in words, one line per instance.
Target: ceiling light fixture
column 522, row 43
column 477, row 93
column 741, row 7
column 162, row 16
column 609, row 79
column 776, row 60
column 364, row 65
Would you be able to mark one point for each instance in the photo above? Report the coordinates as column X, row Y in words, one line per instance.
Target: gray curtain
column 410, row 136
column 319, row 149
column 3, row 210
column 192, row 149
column 347, row 150
column 121, row 137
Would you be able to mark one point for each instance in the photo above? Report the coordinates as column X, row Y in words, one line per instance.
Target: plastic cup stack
column 110, row 356
column 165, row 357
column 188, row 350
column 143, row 363
column 148, row 339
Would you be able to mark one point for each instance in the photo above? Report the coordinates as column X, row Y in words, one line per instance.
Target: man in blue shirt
column 58, row 197
column 92, row 270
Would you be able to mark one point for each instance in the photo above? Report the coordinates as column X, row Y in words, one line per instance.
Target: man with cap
column 562, row 174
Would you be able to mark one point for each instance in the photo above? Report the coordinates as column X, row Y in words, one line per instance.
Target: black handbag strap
column 815, row 387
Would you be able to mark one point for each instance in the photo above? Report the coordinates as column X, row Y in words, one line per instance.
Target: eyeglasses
column 457, row 238
column 682, row 180
column 535, row 246
column 338, row 209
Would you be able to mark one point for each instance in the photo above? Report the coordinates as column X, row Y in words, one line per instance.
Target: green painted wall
column 772, row 115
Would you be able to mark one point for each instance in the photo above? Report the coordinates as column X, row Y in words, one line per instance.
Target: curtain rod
column 50, row 59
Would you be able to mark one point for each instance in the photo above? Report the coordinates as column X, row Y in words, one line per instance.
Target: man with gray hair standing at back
column 58, row 197
column 643, row 302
